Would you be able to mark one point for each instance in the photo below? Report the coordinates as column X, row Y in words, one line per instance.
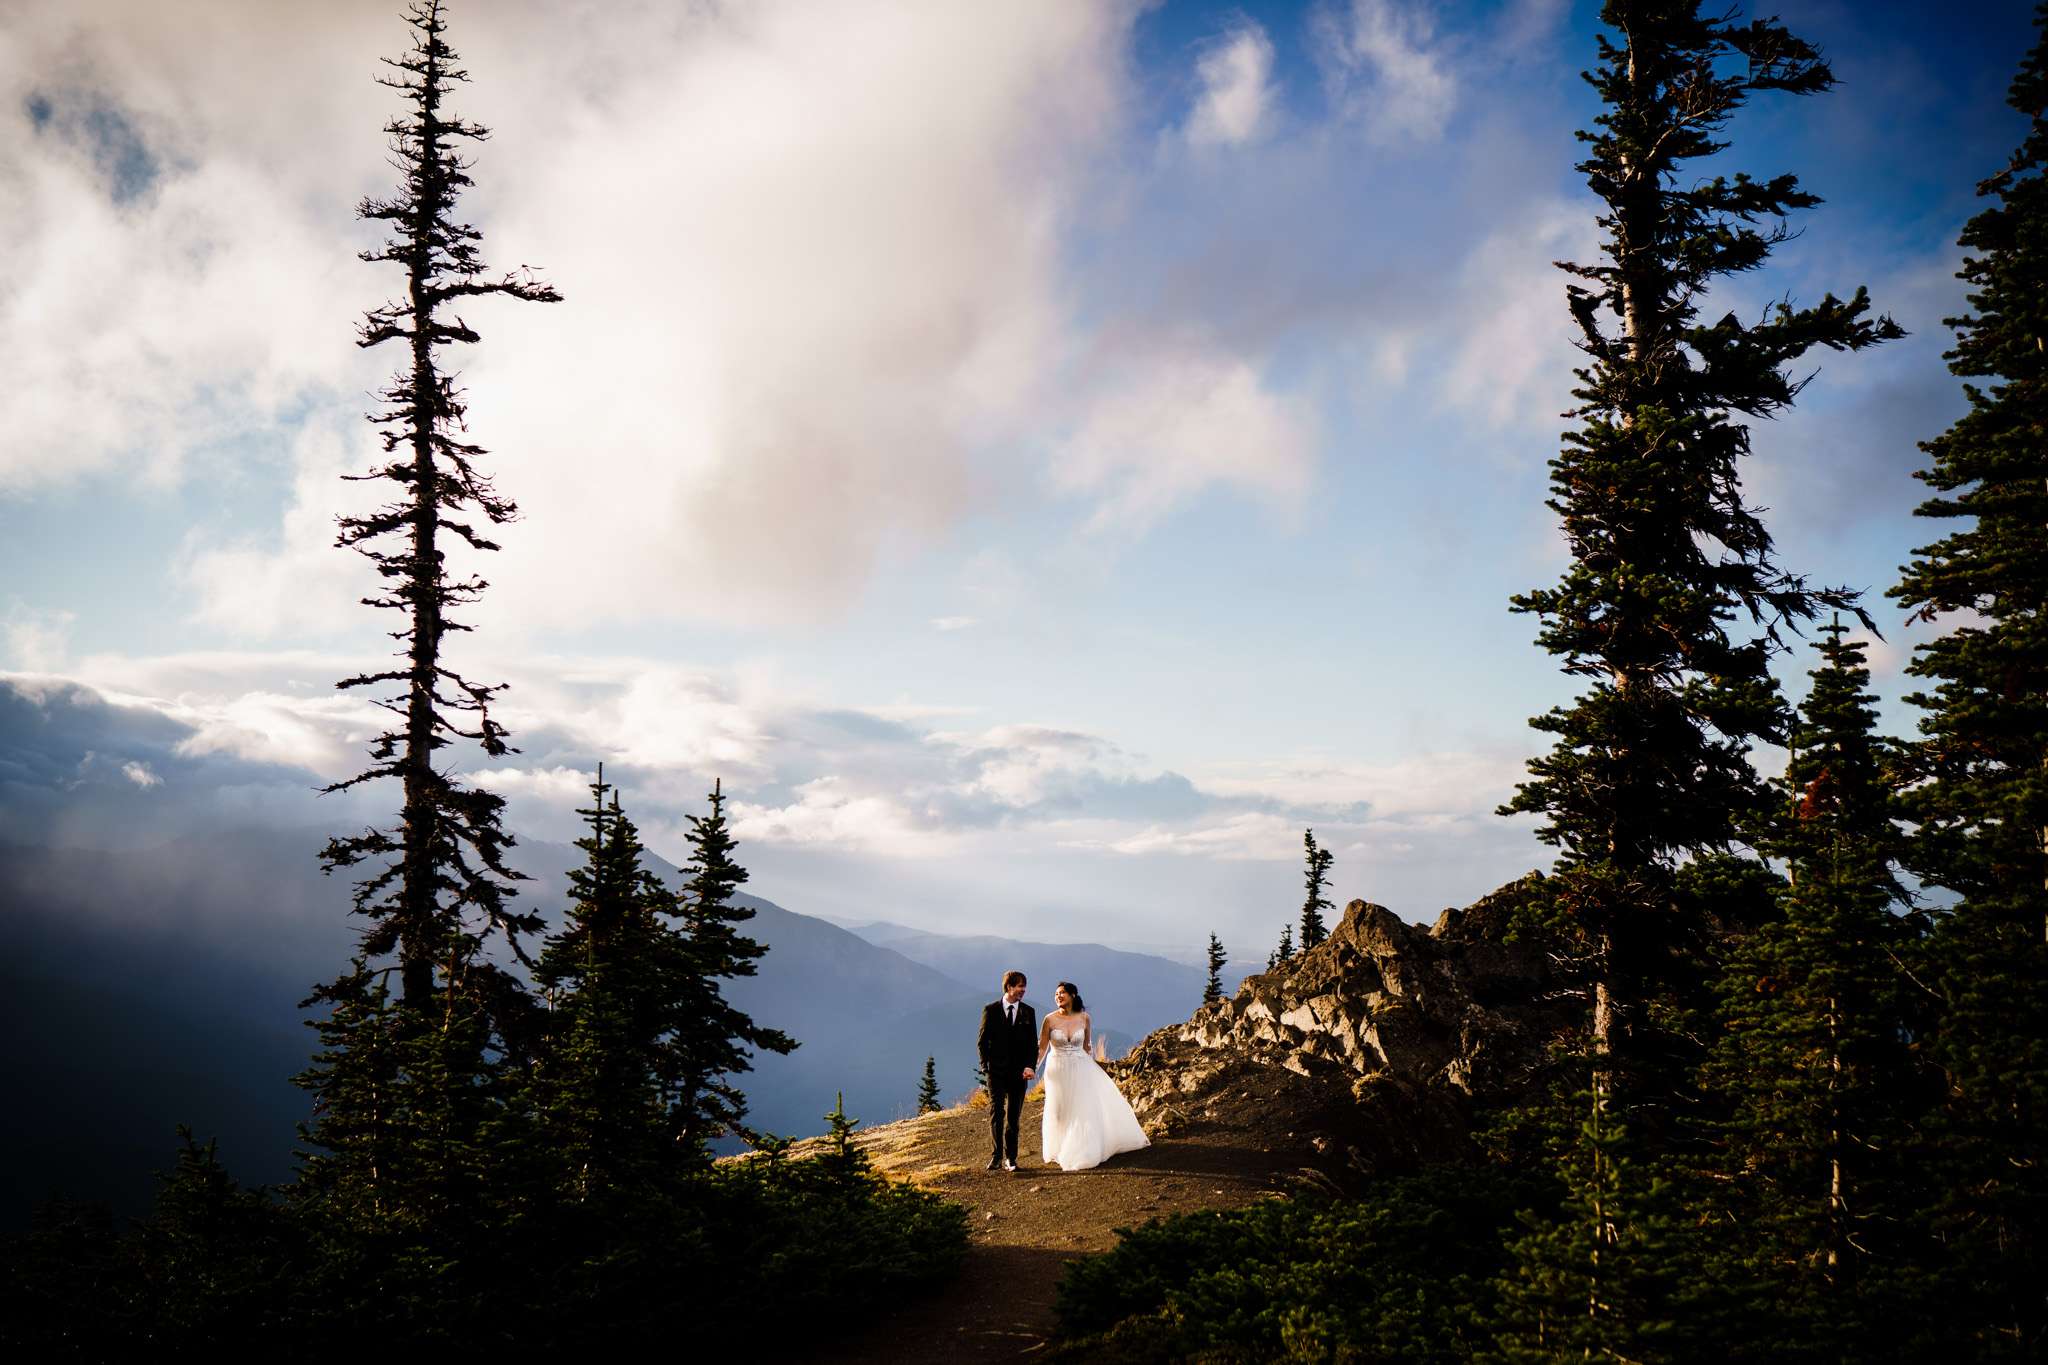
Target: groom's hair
column 1012, row 979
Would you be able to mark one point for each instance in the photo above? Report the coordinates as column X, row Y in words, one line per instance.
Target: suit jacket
column 1006, row 1048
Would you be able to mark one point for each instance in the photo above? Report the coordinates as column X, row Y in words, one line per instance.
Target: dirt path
column 1023, row 1229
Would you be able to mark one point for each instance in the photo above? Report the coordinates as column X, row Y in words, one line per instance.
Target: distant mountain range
column 144, row 989
column 1127, row 994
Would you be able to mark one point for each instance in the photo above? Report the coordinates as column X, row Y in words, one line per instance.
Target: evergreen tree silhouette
column 220, row 1261
column 712, row 1036
column 1650, row 769
column 1817, row 1154
column 844, row 1163
column 1283, row 954
column 1980, row 804
column 355, row 1081
column 928, row 1088
column 1313, row 930
column 1212, row 989
column 1604, row 1279
column 610, row 976
column 401, row 1131
column 443, row 886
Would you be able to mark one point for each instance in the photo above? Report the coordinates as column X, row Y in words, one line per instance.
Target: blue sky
column 1040, row 457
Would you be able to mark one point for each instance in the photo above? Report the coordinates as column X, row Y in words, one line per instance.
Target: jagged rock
column 1375, row 1043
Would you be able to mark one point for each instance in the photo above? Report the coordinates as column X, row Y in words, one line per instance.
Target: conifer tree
column 401, row 1129
column 1283, row 954
column 443, row 885
column 1650, row 767
column 1603, row 1280
column 1815, row 1006
column 844, row 1162
column 1650, row 764
column 712, row 1036
column 611, row 977
column 1212, row 989
column 218, row 1262
column 354, row 1081
column 1981, row 808
column 928, row 1088
column 1313, row 930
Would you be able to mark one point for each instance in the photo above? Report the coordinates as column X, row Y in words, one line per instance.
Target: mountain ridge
column 162, row 984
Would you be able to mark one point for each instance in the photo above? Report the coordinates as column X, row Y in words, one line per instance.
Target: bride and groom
column 1087, row 1119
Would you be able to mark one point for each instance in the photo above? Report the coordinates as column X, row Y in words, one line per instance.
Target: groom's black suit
column 1006, row 1049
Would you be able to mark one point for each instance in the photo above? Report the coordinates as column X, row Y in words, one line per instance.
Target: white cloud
column 1384, row 72
column 830, row 810
column 836, row 810
column 1456, row 783
column 37, row 641
column 811, row 264
column 559, row 786
column 1250, row 835
column 897, row 783
column 1236, row 92
column 1020, row 766
column 324, row 734
column 297, row 583
column 174, row 261
column 811, row 260
column 1515, row 363
column 1176, row 422
column 140, row 775
column 952, row 623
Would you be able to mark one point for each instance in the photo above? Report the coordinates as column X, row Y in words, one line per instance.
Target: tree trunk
column 421, row 901
column 1837, row 1205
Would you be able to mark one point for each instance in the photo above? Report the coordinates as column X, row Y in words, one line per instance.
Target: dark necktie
column 1013, row 1016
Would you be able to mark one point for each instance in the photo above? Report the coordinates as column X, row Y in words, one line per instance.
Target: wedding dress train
column 1087, row 1119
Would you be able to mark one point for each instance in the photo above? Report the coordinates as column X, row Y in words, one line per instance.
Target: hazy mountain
column 1128, row 995
column 146, row 988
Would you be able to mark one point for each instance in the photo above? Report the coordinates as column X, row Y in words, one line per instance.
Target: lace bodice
column 1076, row 1041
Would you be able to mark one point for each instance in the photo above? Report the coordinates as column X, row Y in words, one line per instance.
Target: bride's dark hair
column 1072, row 995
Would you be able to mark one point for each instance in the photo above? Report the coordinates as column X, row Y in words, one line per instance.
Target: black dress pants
column 1005, row 1114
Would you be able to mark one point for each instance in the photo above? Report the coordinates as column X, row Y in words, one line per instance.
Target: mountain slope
column 143, row 989
column 1128, row 994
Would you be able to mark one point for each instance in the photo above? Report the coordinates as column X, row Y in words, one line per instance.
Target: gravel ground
column 1025, row 1228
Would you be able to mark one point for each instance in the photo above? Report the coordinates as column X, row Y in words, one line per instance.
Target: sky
column 1039, row 457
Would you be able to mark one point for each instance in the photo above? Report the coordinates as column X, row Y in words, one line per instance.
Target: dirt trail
column 1023, row 1229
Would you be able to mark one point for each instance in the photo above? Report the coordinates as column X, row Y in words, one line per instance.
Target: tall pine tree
column 1212, row 989
column 443, row 885
column 1651, row 762
column 928, row 1087
column 610, row 977
column 1650, row 768
column 1981, row 808
column 1814, row 1061
column 1313, row 929
column 712, row 1038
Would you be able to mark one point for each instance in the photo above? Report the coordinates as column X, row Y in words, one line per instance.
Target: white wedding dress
column 1087, row 1119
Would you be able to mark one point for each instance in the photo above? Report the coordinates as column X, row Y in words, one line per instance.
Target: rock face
column 1371, row 1046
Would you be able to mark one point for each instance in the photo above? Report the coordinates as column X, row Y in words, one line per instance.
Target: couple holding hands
column 1087, row 1119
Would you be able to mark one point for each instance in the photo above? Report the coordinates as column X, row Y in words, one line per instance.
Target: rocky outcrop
column 1374, row 1044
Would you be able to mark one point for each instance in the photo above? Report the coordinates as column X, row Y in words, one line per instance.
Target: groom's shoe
column 1010, row 1166
column 995, row 1163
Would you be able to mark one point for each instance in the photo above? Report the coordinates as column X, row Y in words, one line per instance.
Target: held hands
column 1028, row 1073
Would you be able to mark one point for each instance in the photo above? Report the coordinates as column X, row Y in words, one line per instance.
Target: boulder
column 1371, row 1048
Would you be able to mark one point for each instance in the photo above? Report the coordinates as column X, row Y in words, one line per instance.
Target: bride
column 1086, row 1117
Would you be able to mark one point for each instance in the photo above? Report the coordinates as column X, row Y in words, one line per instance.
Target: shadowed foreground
column 1025, row 1228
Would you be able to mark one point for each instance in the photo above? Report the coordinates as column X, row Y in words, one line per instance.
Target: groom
column 1008, row 1045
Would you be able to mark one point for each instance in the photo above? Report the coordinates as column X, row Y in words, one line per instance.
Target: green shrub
column 1404, row 1273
